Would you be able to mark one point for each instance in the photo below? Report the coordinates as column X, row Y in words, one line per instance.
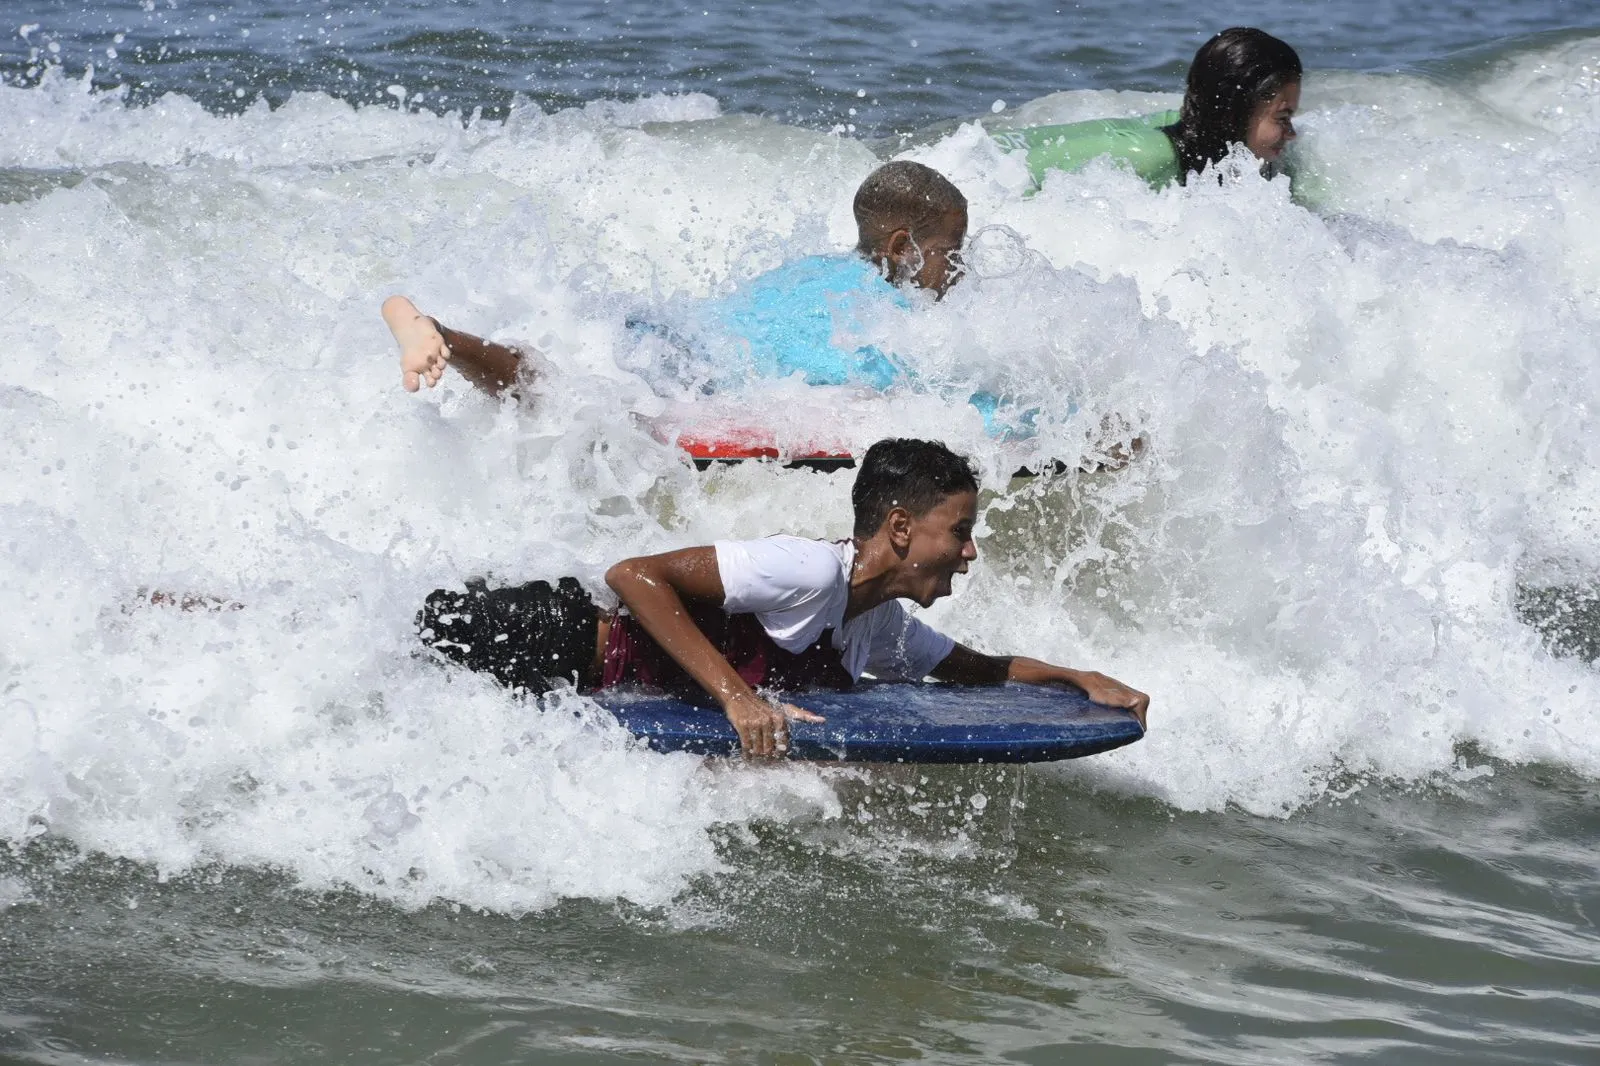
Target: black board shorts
column 529, row 637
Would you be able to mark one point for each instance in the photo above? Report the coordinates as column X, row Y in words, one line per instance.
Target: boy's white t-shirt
column 797, row 588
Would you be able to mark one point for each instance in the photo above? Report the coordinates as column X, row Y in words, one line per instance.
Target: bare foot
column 423, row 352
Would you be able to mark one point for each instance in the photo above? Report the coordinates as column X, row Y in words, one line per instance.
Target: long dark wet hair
column 1233, row 73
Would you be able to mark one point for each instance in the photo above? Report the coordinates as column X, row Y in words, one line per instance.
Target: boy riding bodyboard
column 783, row 613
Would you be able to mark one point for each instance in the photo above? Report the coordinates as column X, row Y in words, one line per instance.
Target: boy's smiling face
column 938, row 546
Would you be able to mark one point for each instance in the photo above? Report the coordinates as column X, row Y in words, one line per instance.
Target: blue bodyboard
column 914, row 723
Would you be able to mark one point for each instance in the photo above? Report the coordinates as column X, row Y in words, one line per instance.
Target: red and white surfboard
column 730, row 445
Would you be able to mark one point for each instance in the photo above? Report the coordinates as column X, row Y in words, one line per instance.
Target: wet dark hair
column 902, row 472
column 1232, row 74
column 902, row 195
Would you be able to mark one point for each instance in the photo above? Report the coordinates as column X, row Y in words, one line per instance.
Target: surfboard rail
column 708, row 449
column 719, row 440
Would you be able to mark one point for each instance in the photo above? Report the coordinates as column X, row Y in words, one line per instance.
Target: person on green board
column 1243, row 88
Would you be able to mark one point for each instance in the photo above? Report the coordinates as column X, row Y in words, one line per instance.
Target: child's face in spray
column 930, row 258
column 1271, row 124
column 939, row 546
column 940, row 249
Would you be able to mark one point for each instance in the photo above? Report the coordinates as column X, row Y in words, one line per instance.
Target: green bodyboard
column 1137, row 142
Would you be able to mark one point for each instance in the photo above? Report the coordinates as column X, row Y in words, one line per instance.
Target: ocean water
column 1356, row 567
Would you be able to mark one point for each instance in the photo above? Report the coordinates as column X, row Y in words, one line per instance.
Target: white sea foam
column 1365, row 421
column 13, row 893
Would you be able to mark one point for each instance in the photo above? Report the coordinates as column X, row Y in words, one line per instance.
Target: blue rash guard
column 797, row 319
column 800, row 318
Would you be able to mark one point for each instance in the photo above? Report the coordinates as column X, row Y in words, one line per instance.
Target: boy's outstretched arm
column 654, row 588
column 426, row 347
column 963, row 666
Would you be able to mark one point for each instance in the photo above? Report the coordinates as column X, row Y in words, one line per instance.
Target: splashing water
column 1366, row 423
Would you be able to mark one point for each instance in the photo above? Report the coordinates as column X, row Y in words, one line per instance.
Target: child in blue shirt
column 911, row 222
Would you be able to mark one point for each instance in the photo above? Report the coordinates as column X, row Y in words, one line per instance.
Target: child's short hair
column 902, row 472
column 902, row 195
